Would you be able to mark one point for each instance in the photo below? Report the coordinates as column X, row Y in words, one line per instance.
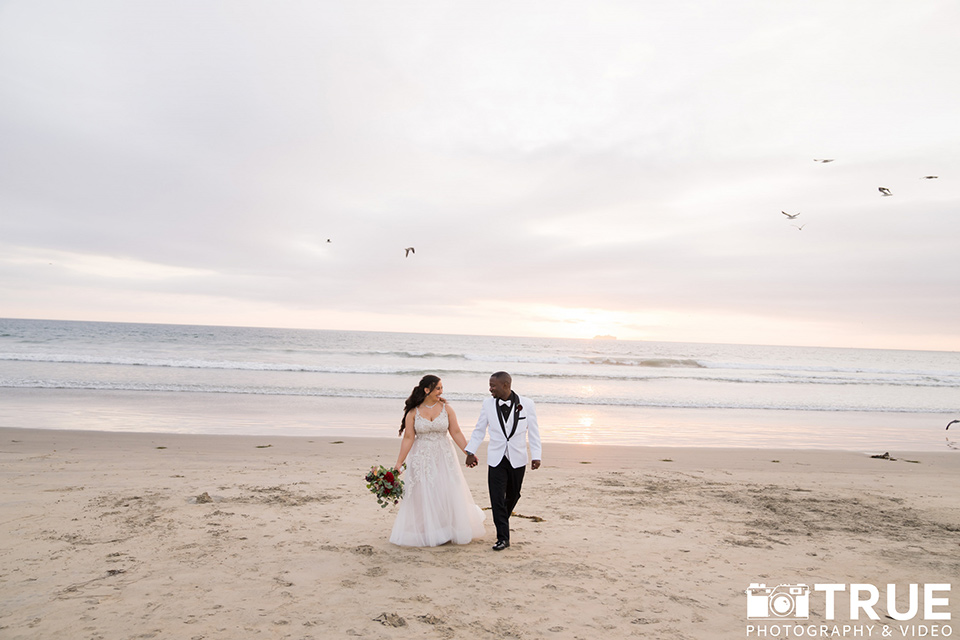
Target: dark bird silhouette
column 929, row 177
column 328, row 240
column 408, row 250
column 951, row 422
column 884, row 191
column 800, row 228
column 823, row 161
column 790, row 215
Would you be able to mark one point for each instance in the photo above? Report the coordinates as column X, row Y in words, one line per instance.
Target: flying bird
column 823, row 161
column 790, row 215
column 884, row 191
column 951, row 422
column 929, row 177
column 408, row 250
column 800, row 228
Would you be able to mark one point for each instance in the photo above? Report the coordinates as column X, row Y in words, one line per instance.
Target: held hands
column 472, row 462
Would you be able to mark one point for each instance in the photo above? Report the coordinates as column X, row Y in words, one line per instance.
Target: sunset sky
column 561, row 168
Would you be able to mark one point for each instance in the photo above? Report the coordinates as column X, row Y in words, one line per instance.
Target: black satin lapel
column 516, row 414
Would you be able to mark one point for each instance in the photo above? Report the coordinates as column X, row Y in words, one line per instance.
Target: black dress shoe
column 501, row 545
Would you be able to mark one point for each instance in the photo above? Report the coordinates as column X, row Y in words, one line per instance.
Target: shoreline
column 171, row 412
column 567, row 451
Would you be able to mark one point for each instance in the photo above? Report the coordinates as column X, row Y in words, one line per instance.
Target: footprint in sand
column 390, row 620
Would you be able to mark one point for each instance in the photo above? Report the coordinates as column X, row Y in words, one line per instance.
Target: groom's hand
column 471, row 460
column 534, row 464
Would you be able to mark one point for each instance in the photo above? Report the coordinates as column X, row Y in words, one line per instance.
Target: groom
column 513, row 421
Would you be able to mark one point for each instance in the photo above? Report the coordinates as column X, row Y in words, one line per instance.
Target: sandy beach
column 136, row 535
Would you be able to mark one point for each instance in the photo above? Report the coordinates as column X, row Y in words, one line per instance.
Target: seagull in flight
column 929, row 177
column 790, row 215
column 884, row 191
column 408, row 251
column 800, row 228
column 824, row 160
column 951, row 422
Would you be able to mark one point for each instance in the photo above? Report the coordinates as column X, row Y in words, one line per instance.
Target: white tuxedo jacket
column 516, row 447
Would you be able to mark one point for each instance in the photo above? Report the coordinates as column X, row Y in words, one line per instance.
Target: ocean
column 261, row 381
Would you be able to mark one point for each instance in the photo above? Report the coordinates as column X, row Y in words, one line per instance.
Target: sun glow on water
column 585, row 433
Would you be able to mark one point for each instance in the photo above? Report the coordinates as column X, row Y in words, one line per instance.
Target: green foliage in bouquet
column 385, row 484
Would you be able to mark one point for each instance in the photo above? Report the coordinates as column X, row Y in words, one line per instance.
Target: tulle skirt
column 437, row 506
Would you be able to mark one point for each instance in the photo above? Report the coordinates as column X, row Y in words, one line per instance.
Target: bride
column 437, row 506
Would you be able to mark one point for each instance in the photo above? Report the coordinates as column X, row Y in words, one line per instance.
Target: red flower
column 519, row 408
column 388, row 476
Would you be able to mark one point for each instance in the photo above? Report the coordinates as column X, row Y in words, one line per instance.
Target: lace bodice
column 431, row 428
column 431, row 447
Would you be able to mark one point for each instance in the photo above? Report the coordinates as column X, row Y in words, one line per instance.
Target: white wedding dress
column 436, row 507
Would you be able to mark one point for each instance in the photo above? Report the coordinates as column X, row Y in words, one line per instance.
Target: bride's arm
column 454, row 430
column 408, row 435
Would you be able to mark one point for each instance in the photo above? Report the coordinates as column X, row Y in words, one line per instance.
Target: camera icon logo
column 785, row 601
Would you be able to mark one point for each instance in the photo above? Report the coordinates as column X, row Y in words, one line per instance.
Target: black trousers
column 504, row 484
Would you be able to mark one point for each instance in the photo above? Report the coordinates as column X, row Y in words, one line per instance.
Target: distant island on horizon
column 604, row 337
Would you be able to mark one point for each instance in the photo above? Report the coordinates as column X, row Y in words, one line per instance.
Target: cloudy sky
column 562, row 168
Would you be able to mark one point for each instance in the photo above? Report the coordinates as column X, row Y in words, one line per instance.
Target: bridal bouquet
column 385, row 484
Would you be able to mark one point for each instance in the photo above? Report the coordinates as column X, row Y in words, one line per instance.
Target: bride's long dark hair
column 427, row 384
